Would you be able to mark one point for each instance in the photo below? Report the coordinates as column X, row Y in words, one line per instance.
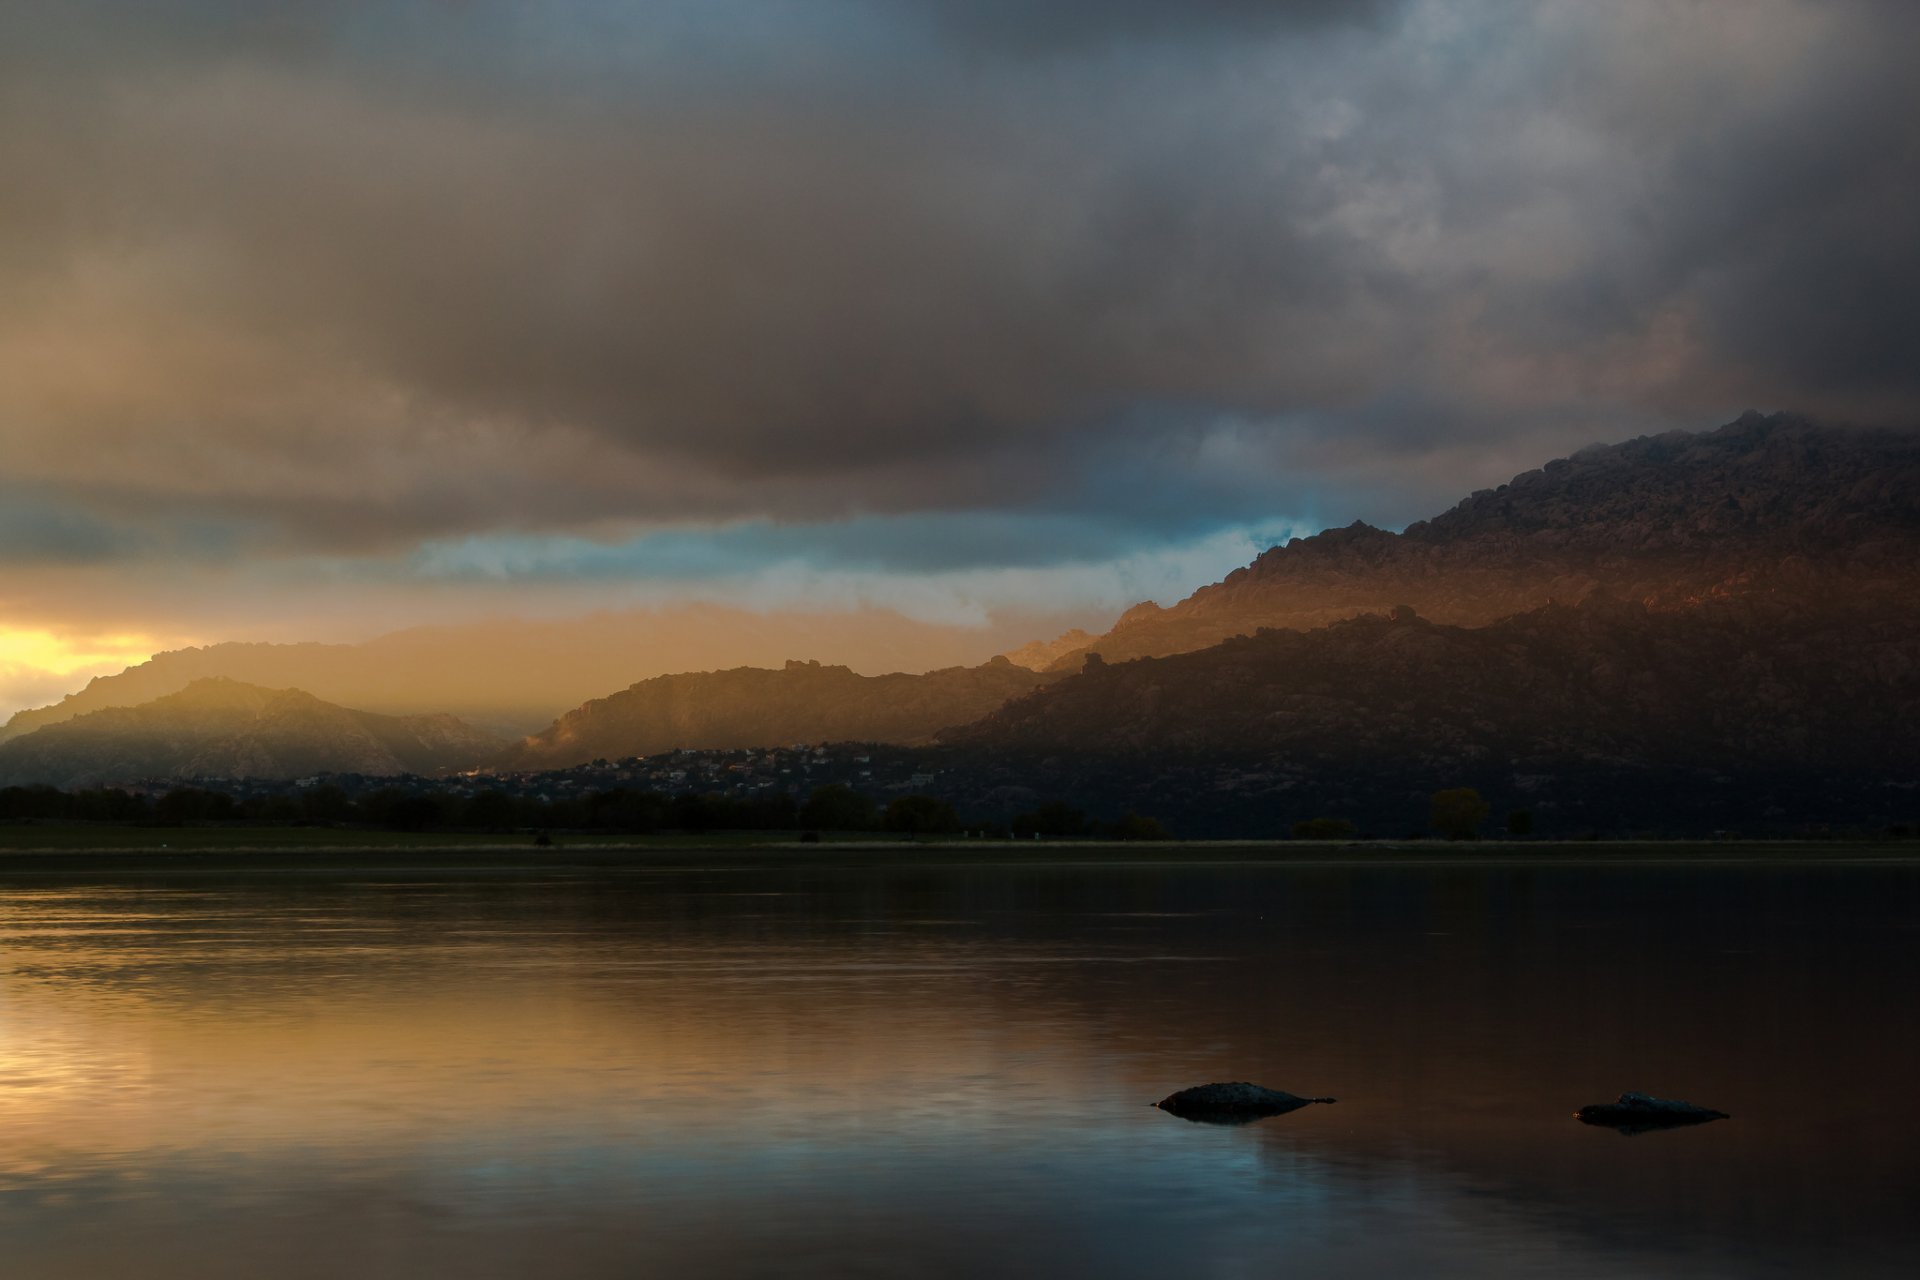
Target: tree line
column 831, row 808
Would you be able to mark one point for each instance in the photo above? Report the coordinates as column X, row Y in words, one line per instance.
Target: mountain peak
column 1666, row 519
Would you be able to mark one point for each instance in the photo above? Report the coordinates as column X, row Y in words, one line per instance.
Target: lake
column 895, row 1068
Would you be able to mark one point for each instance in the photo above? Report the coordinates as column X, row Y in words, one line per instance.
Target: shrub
column 1136, row 826
column 920, row 815
column 1458, row 813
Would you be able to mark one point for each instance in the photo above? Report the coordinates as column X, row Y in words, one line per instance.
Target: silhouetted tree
column 1135, row 826
column 325, row 805
column 33, row 803
column 1324, row 829
column 837, row 807
column 416, row 813
column 1520, row 823
column 1056, row 818
column 1458, row 813
column 920, row 815
column 191, row 804
column 693, row 812
column 623, row 810
column 271, row 809
column 106, row 806
column 490, row 810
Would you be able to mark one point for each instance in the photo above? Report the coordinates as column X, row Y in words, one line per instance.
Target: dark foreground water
column 945, row 1072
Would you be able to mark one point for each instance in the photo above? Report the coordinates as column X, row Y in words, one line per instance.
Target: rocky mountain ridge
column 1667, row 520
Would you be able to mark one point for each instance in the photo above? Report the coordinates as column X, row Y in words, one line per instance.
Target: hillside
column 217, row 728
column 1606, row 715
column 1666, row 520
column 516, row 676
column 759, row 707
column 1729, row 682
column 1039, row 655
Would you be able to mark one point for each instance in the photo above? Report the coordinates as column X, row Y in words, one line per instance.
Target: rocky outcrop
column 1667, row 521
column 1235, row 1103
column 1639, row 1113
column 759, row 707
column 218, row 728
column 1041, row 654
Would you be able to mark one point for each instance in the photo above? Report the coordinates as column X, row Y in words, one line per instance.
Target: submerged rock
column 1235, row 1103
column 1637, row 1113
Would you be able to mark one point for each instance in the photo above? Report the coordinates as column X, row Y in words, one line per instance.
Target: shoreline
column 522, row 856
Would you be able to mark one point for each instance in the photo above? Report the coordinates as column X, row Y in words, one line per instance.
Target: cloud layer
column 338, row 282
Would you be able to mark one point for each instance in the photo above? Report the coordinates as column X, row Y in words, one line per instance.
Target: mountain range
column 514, row 677
column 1679, row 614
column 1668, row 520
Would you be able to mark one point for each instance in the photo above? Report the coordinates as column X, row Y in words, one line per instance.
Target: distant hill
column 1667, row 520
column 218, row 728
column 1748, row 712
column 758, row 707
column 516, row 676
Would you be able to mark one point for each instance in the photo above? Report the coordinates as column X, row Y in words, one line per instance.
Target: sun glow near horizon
column 38, row 665
column 55, row 654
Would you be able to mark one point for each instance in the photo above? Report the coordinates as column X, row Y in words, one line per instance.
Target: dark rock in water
column 1638, row 1113
column 1236, row 1103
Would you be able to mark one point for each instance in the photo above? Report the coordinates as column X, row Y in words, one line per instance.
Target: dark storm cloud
column 359, row 274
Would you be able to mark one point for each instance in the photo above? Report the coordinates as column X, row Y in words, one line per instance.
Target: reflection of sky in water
column 918, row 1072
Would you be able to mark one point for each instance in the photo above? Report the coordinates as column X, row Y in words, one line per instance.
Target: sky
column 322, row 319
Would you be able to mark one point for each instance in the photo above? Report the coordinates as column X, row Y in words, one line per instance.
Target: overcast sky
column 327, row 317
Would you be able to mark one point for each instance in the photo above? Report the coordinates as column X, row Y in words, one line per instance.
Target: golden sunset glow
column 49, row 653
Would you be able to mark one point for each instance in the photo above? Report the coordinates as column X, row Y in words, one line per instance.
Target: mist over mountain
column 1668, row 520
column 219, row 728
column 516, row 676
column 757, row 707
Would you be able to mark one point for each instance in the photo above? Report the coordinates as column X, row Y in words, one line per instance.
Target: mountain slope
column 757, row 707
column 1761, row 680
column 516, row 676
column 1667, row 520
column 1039, row 655
column 223, row 728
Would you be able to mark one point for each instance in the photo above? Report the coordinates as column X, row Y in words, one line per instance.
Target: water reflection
column 949, row 1071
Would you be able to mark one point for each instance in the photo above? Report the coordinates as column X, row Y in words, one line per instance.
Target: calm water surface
column 933, row 1071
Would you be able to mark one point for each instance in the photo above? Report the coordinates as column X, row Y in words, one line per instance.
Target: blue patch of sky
column 35, row 532
column 935, row 543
